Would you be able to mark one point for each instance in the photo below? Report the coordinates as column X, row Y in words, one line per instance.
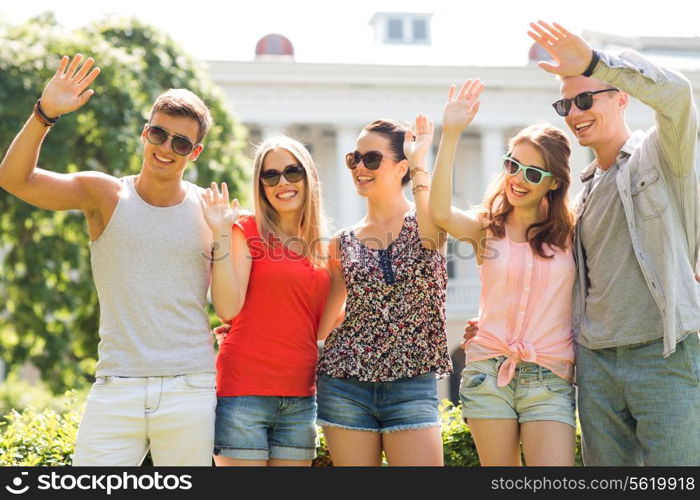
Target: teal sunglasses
column 533, row 175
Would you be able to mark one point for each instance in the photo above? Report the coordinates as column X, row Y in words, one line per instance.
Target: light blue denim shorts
column 534, row 393
column 403, row 404
column 265, row 427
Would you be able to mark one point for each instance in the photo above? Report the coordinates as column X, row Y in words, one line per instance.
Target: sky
column 492, row 33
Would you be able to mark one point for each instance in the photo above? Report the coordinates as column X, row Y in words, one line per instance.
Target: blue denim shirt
column 658, row 186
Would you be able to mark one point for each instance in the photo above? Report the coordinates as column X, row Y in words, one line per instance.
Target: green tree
column 49, row 312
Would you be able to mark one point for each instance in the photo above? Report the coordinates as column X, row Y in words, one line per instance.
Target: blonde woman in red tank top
column 517, row 384
column 270, row 282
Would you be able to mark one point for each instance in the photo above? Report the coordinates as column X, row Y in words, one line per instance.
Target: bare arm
column 459, row 112
column 335, row 304
column 66, row 91
column 231, row 260
column 416, row 146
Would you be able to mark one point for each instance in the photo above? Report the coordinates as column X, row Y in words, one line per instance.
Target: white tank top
column 151, row 271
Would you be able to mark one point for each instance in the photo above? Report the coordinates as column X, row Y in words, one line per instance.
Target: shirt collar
column 625, row 152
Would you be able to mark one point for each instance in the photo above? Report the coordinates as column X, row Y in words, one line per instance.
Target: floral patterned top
column 394, row 323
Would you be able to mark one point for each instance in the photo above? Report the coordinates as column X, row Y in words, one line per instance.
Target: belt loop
column 501, row 360
column 540, row 376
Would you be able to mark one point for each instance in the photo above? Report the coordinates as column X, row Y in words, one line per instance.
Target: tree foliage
column 49, row 312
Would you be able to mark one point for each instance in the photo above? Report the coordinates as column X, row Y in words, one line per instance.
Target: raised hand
column 68, row 88
column 570, row 53
column 461, row 109
column 218, row 214
column 417, row 142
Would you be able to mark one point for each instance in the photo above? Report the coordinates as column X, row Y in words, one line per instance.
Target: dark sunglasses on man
column 583, row 102
column 371, row 159
column 293, row 173
column 180, row 144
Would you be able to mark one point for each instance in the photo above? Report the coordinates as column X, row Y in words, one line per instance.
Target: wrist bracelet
column 412, row 171
column 420, row 187
column 41, row 116
column 592, row 65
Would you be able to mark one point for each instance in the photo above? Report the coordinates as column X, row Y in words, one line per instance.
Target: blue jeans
column 264, row 427
column 637, row 407
column 404, row 404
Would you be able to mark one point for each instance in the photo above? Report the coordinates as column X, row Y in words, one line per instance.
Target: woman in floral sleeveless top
column 377, row 388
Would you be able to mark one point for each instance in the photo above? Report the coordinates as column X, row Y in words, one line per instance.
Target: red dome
column 274, row 45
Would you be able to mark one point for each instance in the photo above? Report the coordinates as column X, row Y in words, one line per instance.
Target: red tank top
column 271, row 347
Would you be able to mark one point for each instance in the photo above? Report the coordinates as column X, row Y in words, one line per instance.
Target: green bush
column 457, row 444
column 39, row 438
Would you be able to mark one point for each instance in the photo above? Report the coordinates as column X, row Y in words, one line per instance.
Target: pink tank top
column 525, row 309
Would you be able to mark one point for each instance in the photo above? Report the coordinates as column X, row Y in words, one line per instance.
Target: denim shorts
column 404, row 404
column 265, row 427
column 534, row 394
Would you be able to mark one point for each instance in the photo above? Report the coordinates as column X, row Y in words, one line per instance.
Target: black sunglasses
column 371, row 159
column 583, row 102
column 293, row 173
column 179, row 143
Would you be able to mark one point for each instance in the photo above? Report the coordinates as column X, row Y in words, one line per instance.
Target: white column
column 492, row 150
column 344, row 204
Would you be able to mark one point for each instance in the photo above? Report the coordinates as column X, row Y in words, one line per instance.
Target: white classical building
column 326, row 104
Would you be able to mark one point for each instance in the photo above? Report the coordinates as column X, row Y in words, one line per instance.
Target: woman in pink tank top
column 517, row 384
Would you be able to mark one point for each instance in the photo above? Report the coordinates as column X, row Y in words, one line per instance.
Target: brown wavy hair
column 557, row 226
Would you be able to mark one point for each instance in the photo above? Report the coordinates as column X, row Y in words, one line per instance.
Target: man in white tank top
column 150, row 252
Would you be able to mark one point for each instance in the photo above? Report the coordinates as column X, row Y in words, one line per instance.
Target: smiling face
column 160, row 160
column 285, row 197
column 385, row 179
column 594, row 127
column 519, row 191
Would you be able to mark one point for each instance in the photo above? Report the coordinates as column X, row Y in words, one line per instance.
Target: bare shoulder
column 99, row 185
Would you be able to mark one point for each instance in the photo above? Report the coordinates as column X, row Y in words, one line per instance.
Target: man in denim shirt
column 636, row 302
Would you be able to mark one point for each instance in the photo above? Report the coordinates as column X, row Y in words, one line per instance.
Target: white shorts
column 126, row 416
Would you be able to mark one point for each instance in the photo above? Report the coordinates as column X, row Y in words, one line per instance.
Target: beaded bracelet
column 420, row 187
column 412, row 171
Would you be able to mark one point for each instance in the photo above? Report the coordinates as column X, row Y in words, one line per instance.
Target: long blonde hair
column 313, row 221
